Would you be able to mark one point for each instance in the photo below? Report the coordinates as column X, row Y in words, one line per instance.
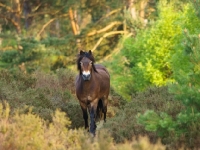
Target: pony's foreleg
column 85, row 115
column 93, row 109
column 92, row 121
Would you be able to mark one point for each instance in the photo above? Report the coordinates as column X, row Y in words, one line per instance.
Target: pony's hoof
column 92, row 135
column 87, row 129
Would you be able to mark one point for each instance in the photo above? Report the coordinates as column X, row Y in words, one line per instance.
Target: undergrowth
column 46, row 92
column 28, row 131
column 125, row 125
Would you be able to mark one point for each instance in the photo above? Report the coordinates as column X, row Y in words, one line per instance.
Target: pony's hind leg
column 99, row 110
column 105, row 103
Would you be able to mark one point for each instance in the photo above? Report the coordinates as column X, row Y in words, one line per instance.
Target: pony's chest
column 87, row 93
column 86, row 97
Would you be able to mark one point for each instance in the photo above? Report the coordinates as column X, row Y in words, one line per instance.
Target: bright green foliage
column 185, row 65
column 120, row 74
column 150, row 52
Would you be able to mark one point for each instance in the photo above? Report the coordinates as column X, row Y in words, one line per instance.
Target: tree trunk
column 17, row 11
column 143, row 5
column 74, row 24
column 27, row 11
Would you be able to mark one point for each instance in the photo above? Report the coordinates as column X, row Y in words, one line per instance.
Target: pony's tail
column 99, row 110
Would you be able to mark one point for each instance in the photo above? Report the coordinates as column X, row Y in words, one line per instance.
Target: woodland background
column 150, row 47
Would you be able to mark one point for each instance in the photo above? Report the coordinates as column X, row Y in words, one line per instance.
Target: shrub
column 149, row 53
column 120, row 74
column 47, row 54
column 27, row 131
column 186, row 88
column 44, row 91
column 8, row 56
column 184, row 127
column 124, row 125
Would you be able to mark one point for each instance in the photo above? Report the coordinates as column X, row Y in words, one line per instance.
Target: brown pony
column 92, row 89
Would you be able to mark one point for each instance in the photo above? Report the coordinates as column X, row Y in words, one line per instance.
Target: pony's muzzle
column 86, row 75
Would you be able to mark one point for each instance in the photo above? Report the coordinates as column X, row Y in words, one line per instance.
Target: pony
column 92, row 89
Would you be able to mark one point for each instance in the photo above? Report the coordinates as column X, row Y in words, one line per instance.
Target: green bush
column 125, row 125
column 8, row 56
column 184, row 127
column 186, row 88
column 48, row 54
column 149, row 53
column 120, row 74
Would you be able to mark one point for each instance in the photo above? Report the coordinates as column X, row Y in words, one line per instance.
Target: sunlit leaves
column 150, row 52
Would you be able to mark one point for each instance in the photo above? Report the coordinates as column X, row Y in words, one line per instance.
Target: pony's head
column 85, row 64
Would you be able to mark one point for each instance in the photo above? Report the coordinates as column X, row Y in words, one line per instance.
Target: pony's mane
column 89, row 56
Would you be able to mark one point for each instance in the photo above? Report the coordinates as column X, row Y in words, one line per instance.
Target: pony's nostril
column 86, row 76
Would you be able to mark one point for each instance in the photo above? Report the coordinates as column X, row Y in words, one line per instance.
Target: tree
column 84, row 24
column 186, row 73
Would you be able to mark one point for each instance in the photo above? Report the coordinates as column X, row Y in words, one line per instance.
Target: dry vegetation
column 40, row 111
column 28, row 131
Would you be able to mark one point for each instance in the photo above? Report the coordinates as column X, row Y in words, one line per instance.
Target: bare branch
column 37, row 7
column 104, row 29
column 44, row 26
column 17, row 26
column 50, row 21
column 7, row 7
column 105, row 35
column 109, row 14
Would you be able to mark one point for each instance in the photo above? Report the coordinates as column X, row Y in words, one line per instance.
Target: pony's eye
column 91, row 63
column 81, row 63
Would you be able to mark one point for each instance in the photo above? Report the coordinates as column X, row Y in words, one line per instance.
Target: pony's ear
column 90, row 52
column 82, row 52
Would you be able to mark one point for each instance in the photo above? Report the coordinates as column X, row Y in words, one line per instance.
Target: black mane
column 89, row 56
